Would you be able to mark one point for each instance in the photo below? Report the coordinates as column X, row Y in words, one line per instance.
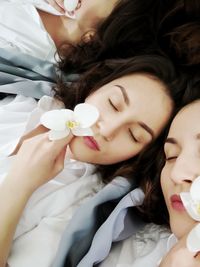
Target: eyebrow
column 124, row 93
column 171, row 140
column 147, row 129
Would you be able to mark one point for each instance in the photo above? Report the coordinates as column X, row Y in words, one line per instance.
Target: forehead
column 187, row 121
column 142, row 82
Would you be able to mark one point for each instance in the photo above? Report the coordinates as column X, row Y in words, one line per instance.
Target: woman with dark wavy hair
column 179, row 33
column 170, row 183
column 135, row 98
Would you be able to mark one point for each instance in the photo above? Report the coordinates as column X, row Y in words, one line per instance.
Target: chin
column 182, row 227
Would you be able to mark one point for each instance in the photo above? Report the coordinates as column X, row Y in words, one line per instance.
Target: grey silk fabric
column 79, row 233
column 86, row 241
column 115, row 228
column 26, row 75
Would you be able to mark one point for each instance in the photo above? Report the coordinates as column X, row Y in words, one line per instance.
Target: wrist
column 18, row 187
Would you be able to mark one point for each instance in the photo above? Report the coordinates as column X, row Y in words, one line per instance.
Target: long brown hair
column 130, row 30
column 179, row 33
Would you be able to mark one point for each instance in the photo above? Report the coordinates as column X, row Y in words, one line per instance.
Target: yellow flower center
column 72, row 124
column 198, row 208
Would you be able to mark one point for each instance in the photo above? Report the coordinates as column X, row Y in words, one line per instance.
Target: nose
column 109, row 128
column 185, row 169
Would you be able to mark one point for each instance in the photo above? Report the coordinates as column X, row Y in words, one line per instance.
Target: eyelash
column 170, row 158
column 130, row 132
column 112, row 105
column 133, row 137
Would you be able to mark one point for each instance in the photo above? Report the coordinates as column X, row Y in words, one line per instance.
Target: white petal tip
column 57, row 135
column 193, row 239
column 70, row 5
column 86, row 114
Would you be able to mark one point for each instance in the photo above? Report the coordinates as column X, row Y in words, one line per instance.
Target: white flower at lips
column 191, row 202
column 70, row 5
column 62, row 121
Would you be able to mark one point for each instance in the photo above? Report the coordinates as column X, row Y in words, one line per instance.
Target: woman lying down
column 60, row 158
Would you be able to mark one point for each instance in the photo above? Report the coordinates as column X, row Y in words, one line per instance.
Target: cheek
column 164, row 182
column 87, row 13
column 118, row 154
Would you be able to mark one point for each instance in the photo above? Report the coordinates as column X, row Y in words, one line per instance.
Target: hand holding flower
column 37, row 161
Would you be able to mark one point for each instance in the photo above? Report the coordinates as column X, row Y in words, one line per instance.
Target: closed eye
column 171, row 158
column 133, row 136
column 112, row 105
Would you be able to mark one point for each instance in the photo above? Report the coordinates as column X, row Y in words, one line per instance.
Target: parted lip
column 91, row 142
column 177, row 203
column 175, row 198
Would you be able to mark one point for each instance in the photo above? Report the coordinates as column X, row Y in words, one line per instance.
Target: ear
column 88, row 36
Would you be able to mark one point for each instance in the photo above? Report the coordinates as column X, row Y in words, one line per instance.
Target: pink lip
column 177, row 203
column 91, row 143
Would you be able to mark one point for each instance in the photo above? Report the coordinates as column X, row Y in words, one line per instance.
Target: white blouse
column 21, row 29
column 144, row 249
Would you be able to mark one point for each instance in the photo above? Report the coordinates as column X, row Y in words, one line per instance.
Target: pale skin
column 181, row 169
column 122, row 123
column 64, row 29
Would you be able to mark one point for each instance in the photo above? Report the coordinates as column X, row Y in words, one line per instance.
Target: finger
column 56, row 6
column 38, row 130
column 58, row 145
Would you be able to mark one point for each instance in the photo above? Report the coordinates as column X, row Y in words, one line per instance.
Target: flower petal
column 195, row 189
column 56, row 135
column 189, row 205
column 56, row 119
column 193, row 239
column 70, row 5
column 82, row 132
column 86, row 114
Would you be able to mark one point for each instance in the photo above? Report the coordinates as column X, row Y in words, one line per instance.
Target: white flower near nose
column 191, row 200
column 70, row 5
column 62, row 121
column 193, row 239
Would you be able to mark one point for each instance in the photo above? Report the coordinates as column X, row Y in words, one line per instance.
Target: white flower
column 193, row 239
column 70, row 5
column 62, row 121
column 191, row 200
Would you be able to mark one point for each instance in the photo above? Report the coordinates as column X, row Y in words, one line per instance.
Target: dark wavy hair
column 151, row 163
column 129, row 30
column 157, row 67
column 179, row 33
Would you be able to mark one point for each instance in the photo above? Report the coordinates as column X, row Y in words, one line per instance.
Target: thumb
column 58, row 145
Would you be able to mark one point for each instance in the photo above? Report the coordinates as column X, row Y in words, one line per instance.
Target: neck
column 61, row 28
